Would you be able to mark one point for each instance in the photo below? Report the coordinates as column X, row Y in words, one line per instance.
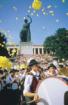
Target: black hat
column 14, row 71
column 33, row 62
column 1, row 71
column 52, row 65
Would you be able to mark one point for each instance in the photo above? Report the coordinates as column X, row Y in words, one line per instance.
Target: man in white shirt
column 31, row 82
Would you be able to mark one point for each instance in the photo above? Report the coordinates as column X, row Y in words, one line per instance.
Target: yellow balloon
column 37, row 5
column 5, row 63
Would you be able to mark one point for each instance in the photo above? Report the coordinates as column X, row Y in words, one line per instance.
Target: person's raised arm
column 30, row 19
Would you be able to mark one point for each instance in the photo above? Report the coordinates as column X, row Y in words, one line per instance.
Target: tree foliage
column 58, row 43
column 3, row 49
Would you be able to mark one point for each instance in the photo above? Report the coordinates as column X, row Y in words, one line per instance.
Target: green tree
column 58, row 43
column 3, row 49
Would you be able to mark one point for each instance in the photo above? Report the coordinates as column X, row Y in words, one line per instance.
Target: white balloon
column 51, row 91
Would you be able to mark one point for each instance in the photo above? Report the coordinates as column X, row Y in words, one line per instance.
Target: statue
column 25, row 34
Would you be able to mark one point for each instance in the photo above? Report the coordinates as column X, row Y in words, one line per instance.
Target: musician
column 31, row 82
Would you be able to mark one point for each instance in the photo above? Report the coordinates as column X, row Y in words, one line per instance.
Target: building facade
column 26, row 49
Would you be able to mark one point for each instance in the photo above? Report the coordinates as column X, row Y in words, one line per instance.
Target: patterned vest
column 34, row 84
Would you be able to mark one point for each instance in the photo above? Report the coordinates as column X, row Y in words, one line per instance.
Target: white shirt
column 28, row 81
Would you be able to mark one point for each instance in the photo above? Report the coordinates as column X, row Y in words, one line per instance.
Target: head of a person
column 40, row 69
column 1, row 72
column 25, row 20
column 34, row 65
column 46, row 65
column 52, row 69
column 66, row 66
column 13, row 72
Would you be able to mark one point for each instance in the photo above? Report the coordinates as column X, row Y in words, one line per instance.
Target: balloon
column 57, row 20
column 50, row 90
column 32, row 14
column 37, row 15
column 52, row 14
column 43, row 10
column 28, row 11
column 44, row 13
column 17, row 18
column 63, row 1
column 34, row 11
column 5, row 63
column 67, row 13
column 43, row 27
column 37, row 5
column 51, row 11
column 49, row 6
column 14, row 8
column 30, row 7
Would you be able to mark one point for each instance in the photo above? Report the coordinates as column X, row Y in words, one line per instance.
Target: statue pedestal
column 26, row 48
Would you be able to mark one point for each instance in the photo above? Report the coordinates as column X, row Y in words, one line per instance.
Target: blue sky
column 12, row 13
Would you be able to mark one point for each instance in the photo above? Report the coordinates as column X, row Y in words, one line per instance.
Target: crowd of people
column 17, row 87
